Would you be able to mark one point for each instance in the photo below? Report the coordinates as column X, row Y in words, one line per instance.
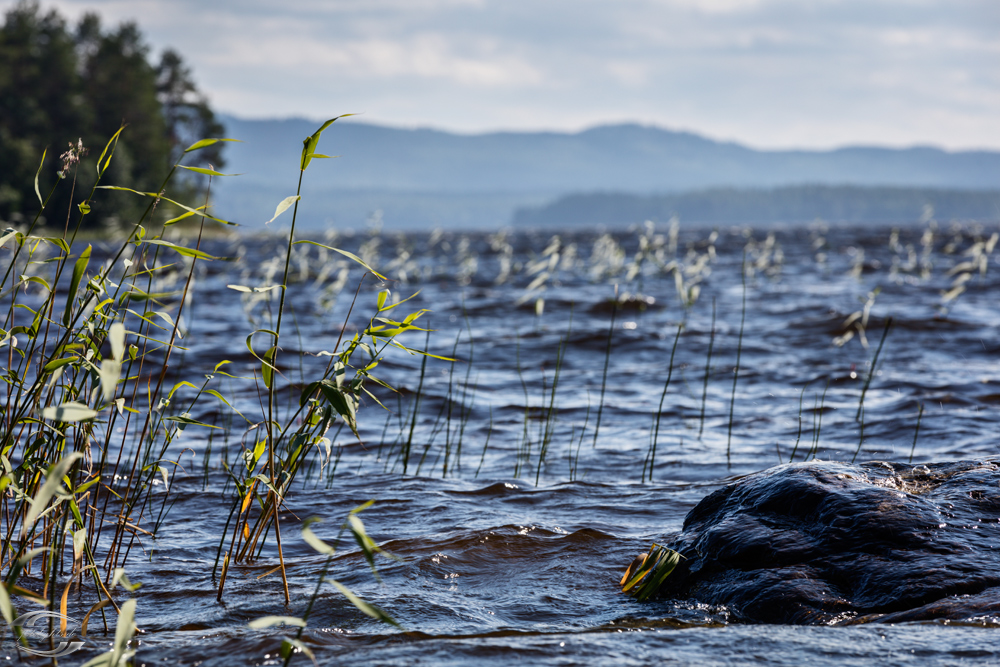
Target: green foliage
column 73, row 87
column 644, row 578
column 78, row 409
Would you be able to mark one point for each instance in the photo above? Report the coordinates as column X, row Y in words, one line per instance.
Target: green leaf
column 84, row 208
column 310, row 142
column 110, row 373
column 648, row 578
column 116, row 337
column 222, row 398
column 53, row 480
column 69, row 412
column 244, row 288
column 206, row 142
column 382, row 296
column 122, row 578
column 258, row 451
column 39, row 195
column 124, row 632
column 363, row 606
column 58, row 363
column 207, row 172
column 79, row 540
column 112, row 142
column 283, row 206
column 289, row 644
column 155, row 195
column 74, row 283
column 343, row 403
column 270, row 621
column 9, row 233
column 267, row 366
column 348, row 255
column 187, row 252
column 312, row 540
column 182, row 216
column 187, row 421
column 6, row 608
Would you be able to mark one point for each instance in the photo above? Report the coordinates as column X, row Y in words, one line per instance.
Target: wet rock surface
column 824, row 542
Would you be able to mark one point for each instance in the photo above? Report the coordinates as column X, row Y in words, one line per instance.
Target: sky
column 765, row 73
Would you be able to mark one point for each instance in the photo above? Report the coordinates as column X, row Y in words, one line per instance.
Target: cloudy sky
column 768, row 73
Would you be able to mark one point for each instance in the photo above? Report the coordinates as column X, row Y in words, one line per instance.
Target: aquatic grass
column 861, row 436
column 916, row 432
column 524, row 445
column 574, row 461
column 739, row 352
column 650, row 458
column 407, row 446
column 486, row 443
column 798, row 436
column 547, row 426
column 607, row 361
column 649, row 571
column 818, row 409
column 88, row 352
column 447, row 405
column 708, row 367
column 872, row 370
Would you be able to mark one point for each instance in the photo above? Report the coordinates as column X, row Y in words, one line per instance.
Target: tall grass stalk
column 739, row 352
column 659, row 409
column 548, row 424
column 916, row 432
column 861, row 437
column 798, row 436
column 88, row 362
column 486, row 444
column 416, row 407
column 708, row 368
column 818, row 422
column 872, row 370
column 607, row 361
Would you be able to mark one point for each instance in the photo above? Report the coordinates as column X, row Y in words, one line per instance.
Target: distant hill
column 789, row 204
column 424, row 178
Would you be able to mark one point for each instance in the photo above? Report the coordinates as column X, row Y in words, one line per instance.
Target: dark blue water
column 516, row 512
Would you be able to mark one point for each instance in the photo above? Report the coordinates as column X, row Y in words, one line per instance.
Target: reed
column 607, row 361
column 861, row 436
column 798, row 436
column 708, row 368
column 819, row 407
column 739, row 352
column 872, row 370
column 659, row 410
column 916, row 432
column 89, row 349
column 547, row 426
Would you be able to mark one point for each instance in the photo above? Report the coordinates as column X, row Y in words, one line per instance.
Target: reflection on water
column 515, row 485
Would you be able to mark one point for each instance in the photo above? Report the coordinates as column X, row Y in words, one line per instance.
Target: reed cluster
column 96, row 403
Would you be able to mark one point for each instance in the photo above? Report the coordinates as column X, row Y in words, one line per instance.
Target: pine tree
column 60, row 86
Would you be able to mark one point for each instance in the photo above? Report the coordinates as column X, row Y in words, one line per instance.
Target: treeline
column 62, row 87
column 790, row 204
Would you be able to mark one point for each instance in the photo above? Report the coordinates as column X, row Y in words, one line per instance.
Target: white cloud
column 766, row 72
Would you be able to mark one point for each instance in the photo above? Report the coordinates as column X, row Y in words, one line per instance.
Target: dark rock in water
column 835, row 543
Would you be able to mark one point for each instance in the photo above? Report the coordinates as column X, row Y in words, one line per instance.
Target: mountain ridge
column 481, row 179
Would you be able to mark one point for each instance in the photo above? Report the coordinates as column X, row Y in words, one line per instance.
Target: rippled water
column 493, row 567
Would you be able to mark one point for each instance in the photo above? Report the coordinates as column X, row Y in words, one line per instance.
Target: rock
column 832, row 543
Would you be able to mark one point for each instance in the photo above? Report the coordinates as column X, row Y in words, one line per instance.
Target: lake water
column 518, row 510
